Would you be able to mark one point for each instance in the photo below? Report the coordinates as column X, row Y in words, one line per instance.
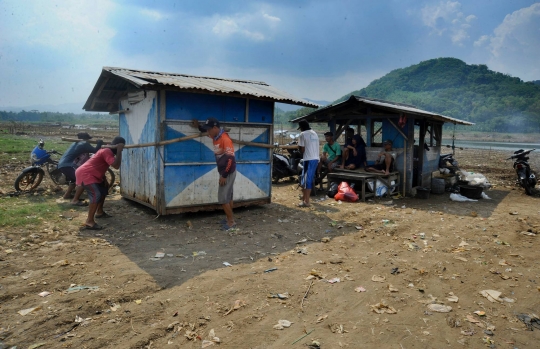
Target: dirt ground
column 399, row 257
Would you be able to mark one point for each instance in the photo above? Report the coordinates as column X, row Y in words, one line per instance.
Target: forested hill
column 449, row 86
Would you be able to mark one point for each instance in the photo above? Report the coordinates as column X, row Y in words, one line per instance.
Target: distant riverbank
column 492, row 137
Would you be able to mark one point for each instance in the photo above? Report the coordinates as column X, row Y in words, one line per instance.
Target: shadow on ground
column 194, row 243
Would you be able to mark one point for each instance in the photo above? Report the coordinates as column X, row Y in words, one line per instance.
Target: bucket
column 422, row 193
column 437, row 185
column 471, row 192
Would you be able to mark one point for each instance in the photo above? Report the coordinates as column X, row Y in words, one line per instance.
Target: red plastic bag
column 346, row 193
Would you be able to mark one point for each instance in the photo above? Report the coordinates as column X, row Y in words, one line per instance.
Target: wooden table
column 356, row 177
column 361, row 177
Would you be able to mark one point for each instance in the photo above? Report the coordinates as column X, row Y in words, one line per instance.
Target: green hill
column 449, row 86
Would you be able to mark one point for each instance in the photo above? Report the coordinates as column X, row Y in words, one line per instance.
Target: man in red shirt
column 91, row 175
column 226, row 164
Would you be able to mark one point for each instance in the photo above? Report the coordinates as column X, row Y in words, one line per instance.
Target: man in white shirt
column 309, row 147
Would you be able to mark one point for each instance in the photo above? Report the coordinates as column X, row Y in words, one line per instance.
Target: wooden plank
column 100, row 89
column 397, row 129
column 214, row 207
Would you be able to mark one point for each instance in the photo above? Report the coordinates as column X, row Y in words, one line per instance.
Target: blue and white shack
column 416, row 134
column 182, row 176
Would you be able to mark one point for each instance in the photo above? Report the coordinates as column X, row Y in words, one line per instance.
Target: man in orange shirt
column 226, row 164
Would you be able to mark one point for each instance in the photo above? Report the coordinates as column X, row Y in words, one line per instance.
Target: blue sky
column 52, row 52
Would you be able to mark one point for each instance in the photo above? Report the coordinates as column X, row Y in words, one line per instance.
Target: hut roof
column 114, row 83
column 361, row 107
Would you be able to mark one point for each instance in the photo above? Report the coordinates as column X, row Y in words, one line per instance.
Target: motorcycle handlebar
column 523, row 153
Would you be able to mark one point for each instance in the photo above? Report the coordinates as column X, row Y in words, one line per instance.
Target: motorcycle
column 447, row 164
column 286, row 165
column 526, row 177
column 31, row 177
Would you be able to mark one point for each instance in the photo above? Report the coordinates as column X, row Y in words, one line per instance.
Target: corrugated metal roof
column 391, row 106
column 149, row 79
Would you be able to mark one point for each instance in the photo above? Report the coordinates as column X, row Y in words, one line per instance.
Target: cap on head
column 118, row 140
column 387, row 142
column 83, row 135
column 303, row 125
column 328, row 134
column 210, row 123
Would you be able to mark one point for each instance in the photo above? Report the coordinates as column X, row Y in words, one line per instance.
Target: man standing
column 331, row 153
column 91, row 175
column 226, row 164
column 385, row 160
column 309, row 147
column 68, row 166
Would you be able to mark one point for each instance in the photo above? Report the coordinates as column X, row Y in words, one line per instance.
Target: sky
column 52, row 52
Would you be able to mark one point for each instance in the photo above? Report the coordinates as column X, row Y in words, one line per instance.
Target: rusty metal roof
column 114, row 83
column 344, row 110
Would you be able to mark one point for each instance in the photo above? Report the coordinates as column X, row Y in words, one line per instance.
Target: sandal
column 303, row 204
column 227, row 227
column 79, row 203
column 93, row 227
column 103, row 215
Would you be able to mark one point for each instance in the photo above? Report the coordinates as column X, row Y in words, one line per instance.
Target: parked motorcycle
column 30, row 177
column 286, row 165
column 526, row 177
column 447, row 164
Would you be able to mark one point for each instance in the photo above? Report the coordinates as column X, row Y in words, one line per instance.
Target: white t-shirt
column 310, row 141
column 382, row 158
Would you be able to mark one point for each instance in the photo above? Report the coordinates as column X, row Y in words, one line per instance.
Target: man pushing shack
column 226, row 165
column 91, row 175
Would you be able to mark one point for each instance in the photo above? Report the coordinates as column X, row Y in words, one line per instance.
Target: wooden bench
column 362, row 178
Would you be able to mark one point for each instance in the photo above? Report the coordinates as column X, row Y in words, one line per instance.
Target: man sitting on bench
column 385, row 160
column 331, row 155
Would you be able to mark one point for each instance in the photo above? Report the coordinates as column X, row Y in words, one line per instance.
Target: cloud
column 256, row 27
column 514, row 46
column 79, row 25
column 271, row 18
column 153, row 14
column 481, row 41
column 445, row 17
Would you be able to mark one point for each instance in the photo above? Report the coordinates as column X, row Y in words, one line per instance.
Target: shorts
column 308, row 174
column 96, row 192
column 332, row 166
column 225, row 192
column 382, row 167
column 69, row 172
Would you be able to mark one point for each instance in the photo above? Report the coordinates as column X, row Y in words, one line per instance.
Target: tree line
column 55, row 117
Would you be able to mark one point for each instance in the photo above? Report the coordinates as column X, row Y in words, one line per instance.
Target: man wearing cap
column 91, row 175
column 69, row 162
column 385, row 160
column 226, row 165
column 308, row 141
column 331, row 153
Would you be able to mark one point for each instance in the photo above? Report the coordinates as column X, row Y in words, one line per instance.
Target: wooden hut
column 182, row 177
column 416, row 135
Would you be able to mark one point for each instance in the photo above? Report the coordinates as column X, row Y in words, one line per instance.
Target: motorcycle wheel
column 109, row 178
column 525, row 184
column 28, row 181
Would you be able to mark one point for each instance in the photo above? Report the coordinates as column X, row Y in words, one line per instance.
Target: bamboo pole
column 187, row 138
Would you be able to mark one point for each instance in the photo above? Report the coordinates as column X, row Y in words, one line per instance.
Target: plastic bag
column 332, row 190
column 475, row 179
column 380, row 188
column 460, row 198
column 346, row 193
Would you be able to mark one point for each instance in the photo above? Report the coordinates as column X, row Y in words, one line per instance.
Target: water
column 506, row 146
